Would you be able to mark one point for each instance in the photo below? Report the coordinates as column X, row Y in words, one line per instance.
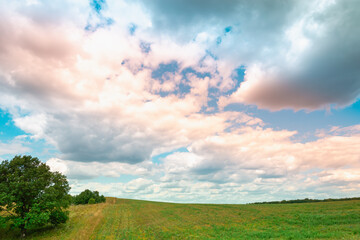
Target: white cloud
column 81, row 170
column 14, row 147
column 251, row 165
column 92, row 94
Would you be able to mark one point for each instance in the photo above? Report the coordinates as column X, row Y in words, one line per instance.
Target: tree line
column 308, row 200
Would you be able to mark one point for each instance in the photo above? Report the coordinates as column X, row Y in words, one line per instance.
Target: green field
column 134, row 219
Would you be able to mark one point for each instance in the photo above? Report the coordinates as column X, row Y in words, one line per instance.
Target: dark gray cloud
column 307, row 51
column 326, row 72
column 332, row 66
column 88, row 137
column 185, row 19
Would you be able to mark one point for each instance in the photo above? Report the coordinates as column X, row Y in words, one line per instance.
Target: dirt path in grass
column 90, row 220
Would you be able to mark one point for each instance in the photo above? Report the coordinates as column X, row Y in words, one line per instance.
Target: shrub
column 85, row 196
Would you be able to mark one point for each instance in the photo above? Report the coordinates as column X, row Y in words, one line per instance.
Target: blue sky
column 183, row 101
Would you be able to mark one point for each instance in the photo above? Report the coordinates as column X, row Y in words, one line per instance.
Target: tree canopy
column 88, row 197
column 32, row 195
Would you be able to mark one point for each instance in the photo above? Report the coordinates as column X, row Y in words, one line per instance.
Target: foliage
column 31, row 195
column 85, row 196
column 91, row 201
column 308, row 200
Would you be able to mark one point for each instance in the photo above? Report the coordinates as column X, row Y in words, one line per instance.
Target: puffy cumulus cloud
column 81, row 170
column 247, row 166
column 106, row 135
column 84, row 92
column 315, row 65
column 90, row 97
column 92, row 94
column 330, row 184
column 253, row 163
column 297, row 54
column 252, row 153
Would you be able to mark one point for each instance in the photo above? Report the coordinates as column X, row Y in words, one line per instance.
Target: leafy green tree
column 32, row 195
column 102, row 198
column 85, row 196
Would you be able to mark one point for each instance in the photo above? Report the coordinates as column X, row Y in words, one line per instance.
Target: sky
column 211, row 101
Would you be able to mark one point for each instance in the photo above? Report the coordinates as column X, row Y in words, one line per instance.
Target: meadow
column 135, row 219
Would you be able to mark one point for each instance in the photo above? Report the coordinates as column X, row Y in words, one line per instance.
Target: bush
column 57, row 217
column 91, row 201
column 85, row 197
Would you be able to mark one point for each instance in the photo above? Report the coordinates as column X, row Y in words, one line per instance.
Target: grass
column 135, row 219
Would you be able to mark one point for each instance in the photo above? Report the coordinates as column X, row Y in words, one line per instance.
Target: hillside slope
column 135, row 219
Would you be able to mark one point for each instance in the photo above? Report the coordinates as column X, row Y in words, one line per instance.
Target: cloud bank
column 112, row 91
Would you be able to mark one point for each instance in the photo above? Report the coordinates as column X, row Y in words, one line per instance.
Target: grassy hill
column 134, row 219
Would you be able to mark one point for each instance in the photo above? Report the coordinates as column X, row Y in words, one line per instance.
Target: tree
column 85, row 196
column 32, row 195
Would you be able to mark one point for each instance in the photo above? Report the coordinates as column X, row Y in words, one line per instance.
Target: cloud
column 80, row 170
column 14, row 147
column 330, row 184
column 297, row 54
column 93, row 101
column 186, row 19
column 246, row 166
column 112, row 98
column 252, row 153
column 314, row 69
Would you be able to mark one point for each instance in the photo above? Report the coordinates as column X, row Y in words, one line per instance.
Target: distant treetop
column 88, row 197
